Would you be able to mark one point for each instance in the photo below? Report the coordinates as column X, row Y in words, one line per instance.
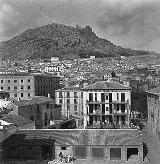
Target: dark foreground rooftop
column 68, row 137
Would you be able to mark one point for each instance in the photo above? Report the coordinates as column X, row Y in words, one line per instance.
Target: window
column 1, row 81
column 9, row 88
column 97, row 152
column 21, row 81
column 110, row 97
column 95, row 96
column 29, row 81
column 22, row 87
column 102, row 97
column 46, row 117
column 90, row 96
column 15, row 95
column 75, row 94
column 51, row 116
column 96, row 119
column 68, row 107
column 15, row 88
column 117, row 119
column 68, row 94
column 63, row 148
column 81, row 94
column 47, row 106
column 106, row 108
column 29, row 87
column 68, row 101
column 117, row 96
column 75, row 101
column 15, row 81
column 107, row 97
column 1, row 88
column 60, row 94
column 117, row 107
column 122, row 97
column 29, row 95
column 123, row 120
column 131, row 151
column 21, row 94
column 75, row 107
column 9, row 81
column 123, row 108
column 115, row 153
column 80, row 152
column 60, row 101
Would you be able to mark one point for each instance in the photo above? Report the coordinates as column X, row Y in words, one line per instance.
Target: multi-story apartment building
column 107, row 102
column 104, row 102
column 46, row 84
column 153, row 104
column 71, row 100
column 25, row 85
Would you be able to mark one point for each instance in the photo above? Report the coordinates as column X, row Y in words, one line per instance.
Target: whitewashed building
column 71, row 100
column 102, row 103
column 107, row 102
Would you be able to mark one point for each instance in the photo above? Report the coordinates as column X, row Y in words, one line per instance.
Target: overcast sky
column 129, row 23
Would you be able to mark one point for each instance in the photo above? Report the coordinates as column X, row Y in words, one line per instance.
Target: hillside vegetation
column 62, row 41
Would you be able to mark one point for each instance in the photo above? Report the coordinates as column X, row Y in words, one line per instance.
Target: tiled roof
column 106, row 85
column 155, row 91
column 15, row 74
column 17, row 120
column 70, row 89
column 68, row 137
column 33, row 101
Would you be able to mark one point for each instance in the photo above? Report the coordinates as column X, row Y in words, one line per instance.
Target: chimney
column 49, row 95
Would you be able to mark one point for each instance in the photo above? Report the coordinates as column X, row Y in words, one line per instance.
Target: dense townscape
column 56, row 110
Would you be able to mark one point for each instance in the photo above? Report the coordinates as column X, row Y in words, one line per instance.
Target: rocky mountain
column 62, row 41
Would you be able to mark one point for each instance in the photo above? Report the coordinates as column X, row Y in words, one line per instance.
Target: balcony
column 120, row 112
column 120, row 102
column 97, row 112
column 96, row 102
column 102, row 102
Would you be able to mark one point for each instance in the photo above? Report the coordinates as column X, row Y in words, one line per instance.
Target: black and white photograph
column 80, row 81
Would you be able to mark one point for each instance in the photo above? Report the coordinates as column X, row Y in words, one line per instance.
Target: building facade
column 107, row 103
column 46, row 84
column 153, row 104
column 25, row 85
column 103, row 103
column 71, row 100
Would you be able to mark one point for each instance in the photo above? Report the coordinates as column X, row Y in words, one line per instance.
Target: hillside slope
column 61, row 41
